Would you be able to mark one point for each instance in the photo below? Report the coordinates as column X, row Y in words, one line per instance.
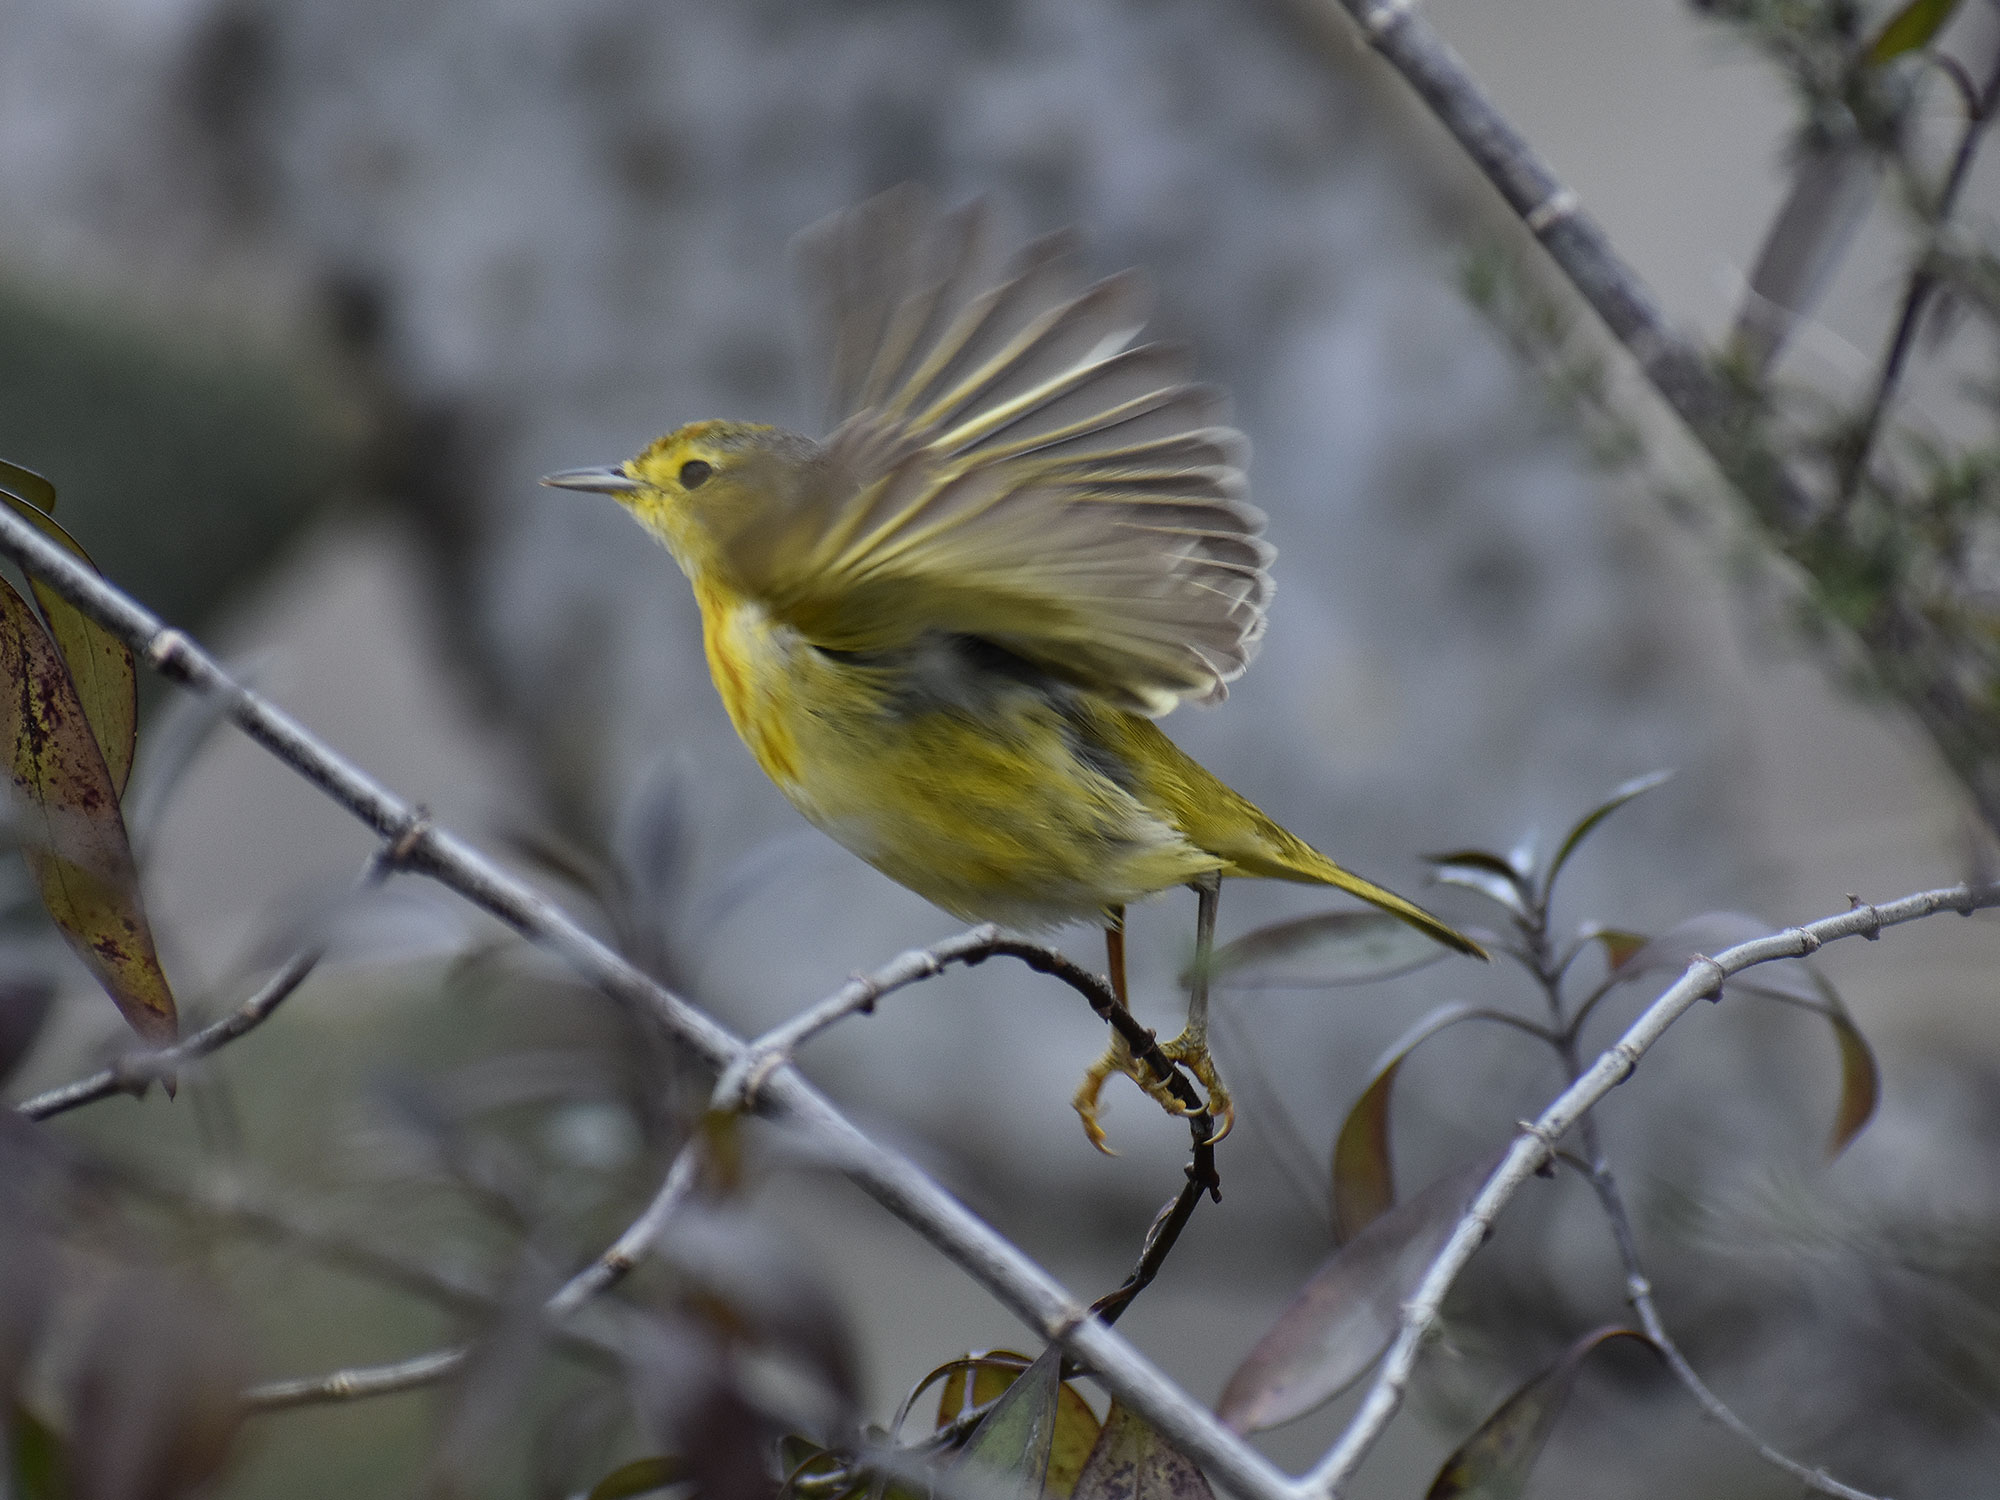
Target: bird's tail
column 1278, row 855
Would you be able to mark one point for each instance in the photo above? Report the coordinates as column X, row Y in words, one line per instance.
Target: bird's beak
column 608, row 480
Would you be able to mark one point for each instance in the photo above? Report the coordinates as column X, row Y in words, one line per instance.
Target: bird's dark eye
column 695, row 472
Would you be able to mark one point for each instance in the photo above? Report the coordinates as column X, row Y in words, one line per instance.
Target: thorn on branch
column 1381, row 17
column 167, row 653
column 1551, row 211
column 400, row 852
column 1712, row 993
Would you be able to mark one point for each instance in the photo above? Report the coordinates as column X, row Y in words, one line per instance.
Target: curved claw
column 1190, row 1050
column 1115, row 1060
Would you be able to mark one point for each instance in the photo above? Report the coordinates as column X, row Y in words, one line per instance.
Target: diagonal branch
column 1639, row 1291
column 1574, row 240
column 1534, row 1147
column 1020, row 1285
column 135, row 1072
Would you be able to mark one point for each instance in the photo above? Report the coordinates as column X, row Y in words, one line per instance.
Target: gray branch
column 1534, row 1147
column 1013, row 1279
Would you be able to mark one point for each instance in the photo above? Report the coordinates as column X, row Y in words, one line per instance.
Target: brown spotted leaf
column 1133, row 1462
column 1344, row 1317
column 1494, row 1463
column 71, row 830
column 100, row 664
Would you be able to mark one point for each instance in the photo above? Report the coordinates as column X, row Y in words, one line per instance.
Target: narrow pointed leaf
column 1910, row 29
column 1477, row 859
column 1133, row 1462
column 72, row 834
column 1860, row 1078
column 1620, row 945
column 1638, row 786
column 642, row 1476
column 99, row 663
column 1496, row 888
column 1860, row 1082
column 1327, row 948
column 1494, row 1463
column 29, row 485
column 1015, row 1440
column 1833, row 188
column 979, row 1380
column 1364, row 1180
column 1345, row 1316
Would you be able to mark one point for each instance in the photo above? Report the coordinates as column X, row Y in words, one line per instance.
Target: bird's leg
column 1118, row 1056
column 1191, row 1046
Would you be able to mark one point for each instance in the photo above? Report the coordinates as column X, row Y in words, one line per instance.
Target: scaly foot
column 1187, row 1049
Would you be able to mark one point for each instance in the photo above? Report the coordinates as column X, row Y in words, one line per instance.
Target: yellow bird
column 945, row 630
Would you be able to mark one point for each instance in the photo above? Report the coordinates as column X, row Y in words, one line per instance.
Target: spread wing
column 1007, row 464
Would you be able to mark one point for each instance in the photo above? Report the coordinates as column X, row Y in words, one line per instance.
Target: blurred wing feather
column 1006, row 464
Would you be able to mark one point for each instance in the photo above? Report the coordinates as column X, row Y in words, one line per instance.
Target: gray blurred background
column 298, row 299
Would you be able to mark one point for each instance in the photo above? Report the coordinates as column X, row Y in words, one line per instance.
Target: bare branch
column 1555, row 216
column 1020, row 1285
column 1535, row 1146
column 1639, row 1292
column 356, row 1385
column 135, row 1072
column 1980, row 104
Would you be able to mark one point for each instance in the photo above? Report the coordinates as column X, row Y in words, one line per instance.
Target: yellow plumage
column 945, row 630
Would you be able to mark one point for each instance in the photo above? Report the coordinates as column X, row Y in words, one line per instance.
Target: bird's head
column 704, row 488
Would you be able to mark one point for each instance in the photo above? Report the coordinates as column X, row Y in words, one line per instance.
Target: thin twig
column 1639, row 1292
column 356, row 1385
column 1555, row 215
column 1534, row 1147
column 135, row 1072
column 1014, row 1280
column 1923, row 281
column 607, row 1270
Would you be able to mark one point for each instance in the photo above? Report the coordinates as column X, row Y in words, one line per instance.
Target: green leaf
column 979, row 1380
column 1638, row 786
column 1015, row 1440
column 1910, row 29
column 1327, row 948
column 99, row 663
column 1133, row 1462
column 1364, row 1180
column 72, row 834
column 1346, row 1314
column 1493, row 1464
column 642, row 1476
column 29, row 486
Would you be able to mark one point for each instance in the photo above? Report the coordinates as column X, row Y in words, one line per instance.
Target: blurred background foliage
column 296, row 301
